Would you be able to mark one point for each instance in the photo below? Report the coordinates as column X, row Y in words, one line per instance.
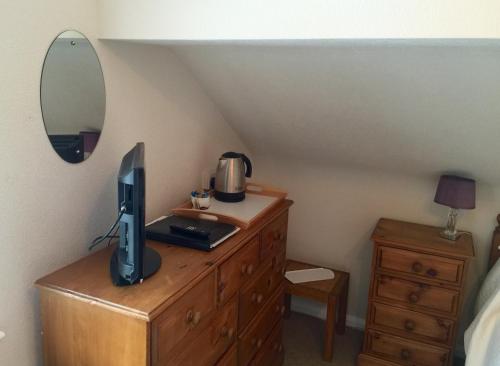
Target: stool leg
column 288, row 304
column 329, row 329
column 343, row 309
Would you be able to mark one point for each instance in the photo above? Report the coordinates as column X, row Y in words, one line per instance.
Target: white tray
column 258, row 200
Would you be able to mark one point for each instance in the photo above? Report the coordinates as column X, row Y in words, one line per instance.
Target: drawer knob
column 431, row 272
column 197, row 318
column 243, row 269
column 227, row 333
column 409, row 325
column 413, row 298
column 259, row 298
column 249, row 269
column 405, row 354
column 417, row 267
column 259, row 343
column 254, row 297
column 222, row 286
column 193, row 318
column 277, row 347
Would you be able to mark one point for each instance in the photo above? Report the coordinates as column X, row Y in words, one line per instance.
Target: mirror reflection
column 72, row 96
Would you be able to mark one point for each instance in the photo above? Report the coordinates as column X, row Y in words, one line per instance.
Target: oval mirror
column 72, row 96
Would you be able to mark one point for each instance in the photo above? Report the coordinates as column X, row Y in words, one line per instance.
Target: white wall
column 298, row 19
column 337, row 207
column 50, row 209
column 408, row 107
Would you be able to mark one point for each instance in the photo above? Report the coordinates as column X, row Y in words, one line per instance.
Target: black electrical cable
column 114, row 236
column 99, row 239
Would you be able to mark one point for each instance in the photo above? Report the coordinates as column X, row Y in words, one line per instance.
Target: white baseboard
column 317, row 310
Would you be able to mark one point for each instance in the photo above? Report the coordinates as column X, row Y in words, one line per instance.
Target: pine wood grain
column 181, row 269
column 416, row 293
column 409, row 235
column 173, row 317
column 93, row 331
column 495, row 245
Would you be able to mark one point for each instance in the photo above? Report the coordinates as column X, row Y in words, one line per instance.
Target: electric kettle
column 230, row 177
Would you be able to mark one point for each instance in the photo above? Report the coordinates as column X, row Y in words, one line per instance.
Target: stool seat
column 332, row 292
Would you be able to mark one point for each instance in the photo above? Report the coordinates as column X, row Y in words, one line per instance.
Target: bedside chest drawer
column 415, row 294
column 186, row 318
column 405, row 351
column 368, row 360
column 407, row 322
column 274, row 237
column 419, row 264
column 238, row 269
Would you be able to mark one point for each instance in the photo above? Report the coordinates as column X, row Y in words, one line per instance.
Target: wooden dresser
column 416, row 293
column 224, row 307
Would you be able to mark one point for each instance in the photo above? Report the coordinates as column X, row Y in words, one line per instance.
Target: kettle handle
column 248, row 164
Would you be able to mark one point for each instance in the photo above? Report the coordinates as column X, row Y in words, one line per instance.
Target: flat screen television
column 132, row 261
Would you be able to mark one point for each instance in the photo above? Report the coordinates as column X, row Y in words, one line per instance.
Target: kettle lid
column 231, row 155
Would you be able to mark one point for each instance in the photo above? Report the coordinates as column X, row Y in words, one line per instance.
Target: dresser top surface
column 420, row 236
column 89, row 278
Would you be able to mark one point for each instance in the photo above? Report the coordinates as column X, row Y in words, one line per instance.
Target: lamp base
column 449, row 235
column 450, row 232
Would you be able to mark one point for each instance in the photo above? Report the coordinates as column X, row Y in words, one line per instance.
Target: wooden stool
column 331, row 292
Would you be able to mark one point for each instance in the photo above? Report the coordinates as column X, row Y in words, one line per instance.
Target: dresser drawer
column 416, row 295
column 230, row 358
column 185, row 319
column 272, row 352
column 406, row 352
column 274, row 237
column 211, row 344
column 407, row 322
column 256, row 293
column 238, row 269
column 253, row 339
column 421, row 265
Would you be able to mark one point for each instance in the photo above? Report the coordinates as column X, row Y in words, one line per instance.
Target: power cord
column 114, row 236
column 101, row 238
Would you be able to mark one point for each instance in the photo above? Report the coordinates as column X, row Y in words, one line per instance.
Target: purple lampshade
column 456, row 192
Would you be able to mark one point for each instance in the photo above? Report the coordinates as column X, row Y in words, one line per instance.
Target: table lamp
column 456, row 193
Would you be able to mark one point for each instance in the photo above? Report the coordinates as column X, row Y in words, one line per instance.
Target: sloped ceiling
column 417, row 108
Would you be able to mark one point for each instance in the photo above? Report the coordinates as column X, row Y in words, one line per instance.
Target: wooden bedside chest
column 416, row 293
